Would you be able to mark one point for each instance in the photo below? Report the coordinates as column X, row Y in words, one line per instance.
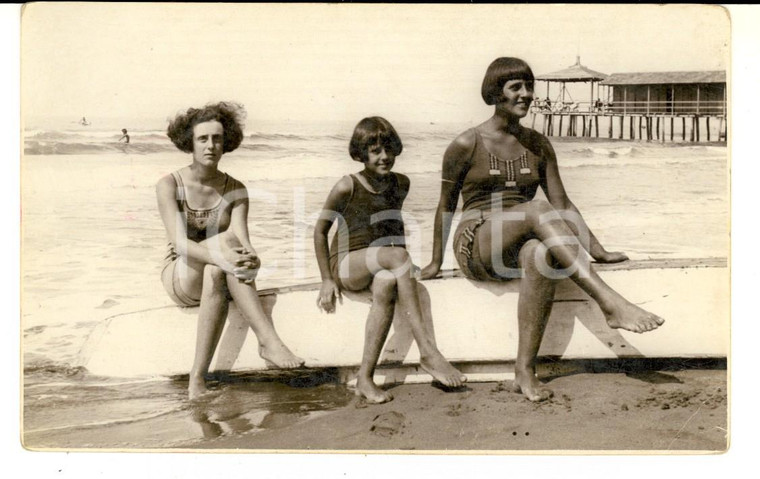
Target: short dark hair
column 499, row 72
column 230, row 115
column 373, row 131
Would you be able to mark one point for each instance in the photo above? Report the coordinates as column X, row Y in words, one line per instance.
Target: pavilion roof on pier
column 663, row 78
column 575, row 73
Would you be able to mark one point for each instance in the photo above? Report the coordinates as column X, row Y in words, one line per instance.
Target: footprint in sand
column 109, row 303
column 387, row 424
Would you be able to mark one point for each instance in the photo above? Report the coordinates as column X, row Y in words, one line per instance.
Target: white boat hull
column 475, row 325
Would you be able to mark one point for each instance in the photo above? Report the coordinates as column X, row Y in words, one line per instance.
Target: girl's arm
column 404, row 183
column 334, row 205
column 455, row 164
column 555, row 193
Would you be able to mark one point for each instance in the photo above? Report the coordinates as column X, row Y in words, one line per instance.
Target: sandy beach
column 634, row 410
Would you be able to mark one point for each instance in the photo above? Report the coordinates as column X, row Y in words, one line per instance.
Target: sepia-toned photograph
column 375, row 228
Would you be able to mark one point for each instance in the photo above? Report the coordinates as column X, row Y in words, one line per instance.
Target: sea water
column 92, row 245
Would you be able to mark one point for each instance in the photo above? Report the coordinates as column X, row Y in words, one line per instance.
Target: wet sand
column 656, row 411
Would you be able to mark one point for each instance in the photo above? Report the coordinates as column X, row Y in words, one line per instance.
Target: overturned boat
column 475, row 325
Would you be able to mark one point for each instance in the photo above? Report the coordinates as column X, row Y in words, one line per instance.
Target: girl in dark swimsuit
column 210, row 259
column 506, row 232
column 368, row 251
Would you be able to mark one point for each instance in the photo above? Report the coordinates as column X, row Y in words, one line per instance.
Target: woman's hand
column 327, row 294
column 430, row 271
column 610, row 257
column 245, row 264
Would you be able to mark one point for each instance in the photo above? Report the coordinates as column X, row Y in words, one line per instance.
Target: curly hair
column 373, row 131
column 230, row 115
column 499, row 72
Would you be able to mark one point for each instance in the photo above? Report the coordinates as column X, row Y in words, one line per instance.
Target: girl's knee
column 384, row 290
column 390, row 263
column 398, row 257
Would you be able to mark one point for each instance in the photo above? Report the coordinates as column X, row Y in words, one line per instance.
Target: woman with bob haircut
column 505, row 232
column 369, row 252
column 210, row 259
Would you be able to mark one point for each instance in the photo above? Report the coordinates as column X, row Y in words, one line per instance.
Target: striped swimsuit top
column 198, row 221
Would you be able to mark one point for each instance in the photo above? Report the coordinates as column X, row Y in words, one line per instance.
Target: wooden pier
column 687, row 106
column 621, row 126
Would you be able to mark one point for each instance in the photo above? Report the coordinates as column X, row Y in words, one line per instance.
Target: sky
column 322, row 62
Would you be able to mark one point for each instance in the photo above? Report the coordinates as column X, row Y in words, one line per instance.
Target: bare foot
column 278, row 356
column 368, row 390
column 442, row 371
column 531, row 387
column 630, row 317
column 196, row 387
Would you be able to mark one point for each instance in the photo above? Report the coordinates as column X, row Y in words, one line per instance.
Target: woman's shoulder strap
column 459, row 156
column 468, row 142
column 234, row 189
column 231, row 183
column 179, row 185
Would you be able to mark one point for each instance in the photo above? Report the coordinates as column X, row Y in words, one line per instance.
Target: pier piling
column 651, row 127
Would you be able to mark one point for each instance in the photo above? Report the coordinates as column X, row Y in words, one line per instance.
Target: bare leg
column 396, row 263
column 376, row 331
column 425, row 305
column 379, row 268
column 211, row 317
column 564, row 246
column 533, row 309
column 271, row 347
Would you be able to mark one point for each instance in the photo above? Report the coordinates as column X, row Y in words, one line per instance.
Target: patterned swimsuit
column 491, row 184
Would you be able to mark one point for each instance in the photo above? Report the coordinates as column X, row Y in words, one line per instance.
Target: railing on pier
column 642, row 107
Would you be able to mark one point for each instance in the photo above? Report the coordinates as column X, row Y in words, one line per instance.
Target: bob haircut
column 373, row 131
column 230, row 115
column 499, row 72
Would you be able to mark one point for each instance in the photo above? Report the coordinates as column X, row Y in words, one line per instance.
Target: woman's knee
column 230, row 240
column 535, row 259
column 214, row 276
column 538, row 211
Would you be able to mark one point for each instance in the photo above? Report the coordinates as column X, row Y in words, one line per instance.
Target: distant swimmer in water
column 210, row 259
column 506, row 232
column 124, row 135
